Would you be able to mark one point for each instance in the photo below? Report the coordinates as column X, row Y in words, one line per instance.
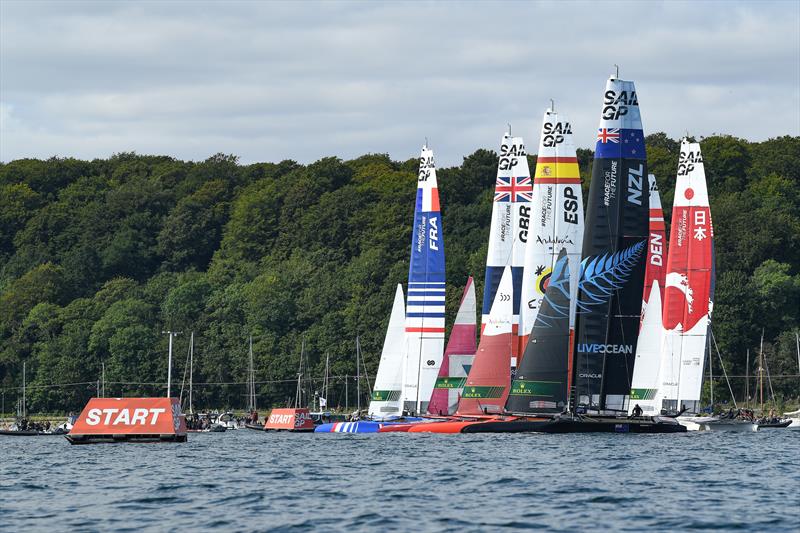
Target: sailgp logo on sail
column 605, row 348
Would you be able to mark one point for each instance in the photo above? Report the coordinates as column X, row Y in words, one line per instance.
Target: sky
column 268, row 81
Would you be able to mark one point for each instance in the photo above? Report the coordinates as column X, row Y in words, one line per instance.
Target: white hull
column 712, row 423
column 795, row 423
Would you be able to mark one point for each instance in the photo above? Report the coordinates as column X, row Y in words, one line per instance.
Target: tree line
column 98, row 258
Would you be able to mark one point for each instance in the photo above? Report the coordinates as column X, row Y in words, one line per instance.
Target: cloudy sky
column 303, row 80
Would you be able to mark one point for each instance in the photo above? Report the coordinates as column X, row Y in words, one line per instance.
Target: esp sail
column 614, row 254
column 689, row 284
column 508, row 233
column 489, row 378
column 426, row 291
column 458, row 356
column 387, row 395
column 541, row 384
column 556, row 221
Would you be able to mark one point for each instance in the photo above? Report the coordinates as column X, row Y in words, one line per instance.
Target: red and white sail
column 489, row 379
column 656, row 269
column 458, row 356
column 556, row 220
column 689, row 278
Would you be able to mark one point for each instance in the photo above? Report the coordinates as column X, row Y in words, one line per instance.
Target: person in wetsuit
column 637, row 411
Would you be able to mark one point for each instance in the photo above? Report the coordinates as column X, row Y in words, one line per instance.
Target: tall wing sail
column 556, row 220
column 614, row 254
column 541, row 384
column 458, row 356
column 656, row 269
column 426, row 291
column 644, row 384
column 387, row 394
column 489, row 378
column 508, row 233
column 689, row 283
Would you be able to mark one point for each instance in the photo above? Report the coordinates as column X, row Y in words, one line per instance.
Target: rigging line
column 769, row 379
column 713, row 338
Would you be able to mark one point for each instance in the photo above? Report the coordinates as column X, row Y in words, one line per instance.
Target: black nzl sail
column 540, row 385
column 614, row 250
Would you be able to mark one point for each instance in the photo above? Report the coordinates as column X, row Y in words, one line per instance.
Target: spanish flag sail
column 426, row 292
column 556, row 220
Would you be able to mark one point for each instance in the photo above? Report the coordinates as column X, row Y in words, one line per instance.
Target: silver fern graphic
column 557, row 294
column 602, row 275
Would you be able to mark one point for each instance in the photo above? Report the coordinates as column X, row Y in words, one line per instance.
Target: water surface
column 247, row 480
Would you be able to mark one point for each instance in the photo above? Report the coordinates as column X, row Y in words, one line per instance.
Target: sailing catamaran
column 458, row 356
column 426, row 292
column 509, row 229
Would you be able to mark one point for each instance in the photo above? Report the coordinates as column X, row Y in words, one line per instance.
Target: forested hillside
column 97, row 258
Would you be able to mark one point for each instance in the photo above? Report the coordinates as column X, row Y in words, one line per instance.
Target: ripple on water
column 280, row 482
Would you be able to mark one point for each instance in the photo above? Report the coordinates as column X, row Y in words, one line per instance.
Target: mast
column 191, row 371
column 103, row 378
column 169, row 361
column 358, row 377
column 747, row 379
column 24, row 397
column 761, row 372
column 251, row 380
column 710, row 371
column 298, row 395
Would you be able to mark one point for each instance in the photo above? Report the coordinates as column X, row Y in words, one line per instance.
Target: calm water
column 247, row 480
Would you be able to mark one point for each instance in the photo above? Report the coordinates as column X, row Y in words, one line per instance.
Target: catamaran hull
column 583, row 425
column 710, row 423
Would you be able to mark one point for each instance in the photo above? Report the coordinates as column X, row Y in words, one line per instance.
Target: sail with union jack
column 508, row 233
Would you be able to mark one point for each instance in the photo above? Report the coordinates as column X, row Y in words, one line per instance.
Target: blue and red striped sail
column 426, row 292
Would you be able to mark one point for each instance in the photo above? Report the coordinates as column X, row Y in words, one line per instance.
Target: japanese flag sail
column 508, row 233
column 387, row 394
column 556, row 221
column 689, row 282
column 426, row 291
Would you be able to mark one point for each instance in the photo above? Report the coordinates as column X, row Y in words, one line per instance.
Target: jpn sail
column 689, row 284
column 458, row 356
column 656, row 268
column 387, row 394
column 541, row 384
column 614, row 254
column 508, row 233
column 489, row 378
column 556, row 221
column 426, row 291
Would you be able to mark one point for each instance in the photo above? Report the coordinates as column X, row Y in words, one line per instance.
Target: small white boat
column 715, row 423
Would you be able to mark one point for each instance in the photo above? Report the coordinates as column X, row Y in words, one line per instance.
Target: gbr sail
column 489, row 379
column 508, row 233
column 615, row 240
column 458, row 356
column 689, row 284
column 426, row 291
column 387, row 398
column 556, row 222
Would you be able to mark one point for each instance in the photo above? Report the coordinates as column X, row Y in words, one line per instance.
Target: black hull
column 28, row 433
column 100, row 439
column 777, row 425
column 256, row 427
column 578, row 425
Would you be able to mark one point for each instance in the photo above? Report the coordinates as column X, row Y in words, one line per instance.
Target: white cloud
column 269, row 81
